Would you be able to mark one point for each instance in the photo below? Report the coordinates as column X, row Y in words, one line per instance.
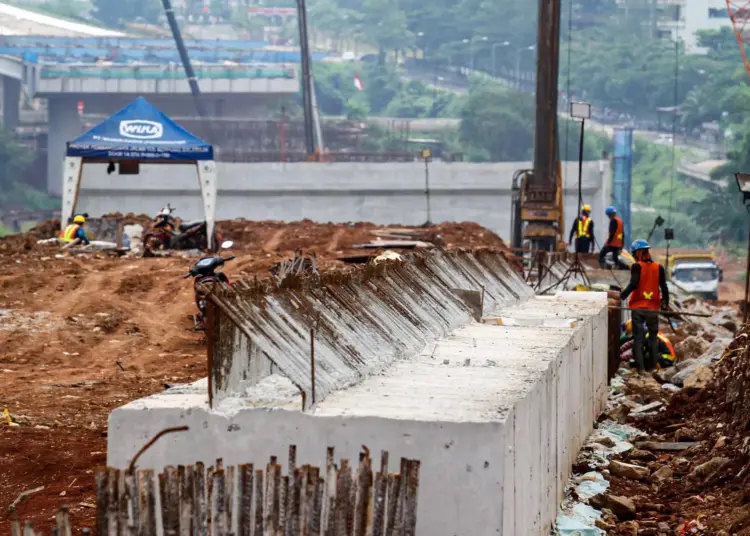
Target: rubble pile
column 671, row 455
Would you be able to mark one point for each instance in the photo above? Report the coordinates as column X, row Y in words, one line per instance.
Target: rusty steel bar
column 312, row 365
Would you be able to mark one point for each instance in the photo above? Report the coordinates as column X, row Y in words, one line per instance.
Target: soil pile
column 83, row 333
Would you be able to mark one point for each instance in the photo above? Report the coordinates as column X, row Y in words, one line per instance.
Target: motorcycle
column 205, row 279
column 165, row 233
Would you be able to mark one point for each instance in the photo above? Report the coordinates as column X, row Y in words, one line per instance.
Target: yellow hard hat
column 629, row 327
column 586, row 208
column 79, row 219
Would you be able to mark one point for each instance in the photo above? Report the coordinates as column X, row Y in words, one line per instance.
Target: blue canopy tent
column 140, row 133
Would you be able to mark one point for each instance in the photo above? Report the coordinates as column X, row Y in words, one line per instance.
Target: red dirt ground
column 81, row 335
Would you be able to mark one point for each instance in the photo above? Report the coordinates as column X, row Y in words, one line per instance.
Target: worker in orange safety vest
column 583, row 231
column 648, row 294
column 614, row 241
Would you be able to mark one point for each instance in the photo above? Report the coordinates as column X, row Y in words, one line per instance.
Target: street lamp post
column 470, row 42
column 518, row 63
column 582, row 111
column 743, row 183
column 494, row 58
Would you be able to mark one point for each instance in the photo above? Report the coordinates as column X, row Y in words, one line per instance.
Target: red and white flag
column 358, row 83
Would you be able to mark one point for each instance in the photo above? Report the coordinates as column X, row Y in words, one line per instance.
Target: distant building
column 670, row 19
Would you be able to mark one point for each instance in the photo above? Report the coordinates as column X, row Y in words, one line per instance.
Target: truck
column 698, row 274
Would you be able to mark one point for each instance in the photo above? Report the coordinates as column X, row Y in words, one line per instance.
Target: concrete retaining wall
column 362, row 323
column 496, row 414
column 381, row 193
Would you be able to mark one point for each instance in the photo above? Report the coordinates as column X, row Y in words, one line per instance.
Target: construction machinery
column 739, row 13
column 537, row 219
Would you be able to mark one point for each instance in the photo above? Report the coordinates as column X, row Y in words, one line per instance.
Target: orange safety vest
column 617, row 241
column 69, row 233
column 584, row 227
column 647, row 294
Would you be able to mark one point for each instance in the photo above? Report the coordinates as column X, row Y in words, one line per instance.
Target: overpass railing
column 124, row 42
column 164, row 72
column 56, row 55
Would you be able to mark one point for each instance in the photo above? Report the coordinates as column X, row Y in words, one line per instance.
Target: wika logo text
column 139, row 129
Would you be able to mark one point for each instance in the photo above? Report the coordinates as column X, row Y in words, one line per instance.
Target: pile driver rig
column 537, row 218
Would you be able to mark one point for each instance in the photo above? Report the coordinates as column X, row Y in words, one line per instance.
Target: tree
column 119, row 12
column 498, row 124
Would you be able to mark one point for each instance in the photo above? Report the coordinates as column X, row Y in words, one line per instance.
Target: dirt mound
column 82, row 334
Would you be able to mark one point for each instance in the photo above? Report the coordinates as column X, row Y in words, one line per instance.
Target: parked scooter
column 205, row 279
column 165, row 233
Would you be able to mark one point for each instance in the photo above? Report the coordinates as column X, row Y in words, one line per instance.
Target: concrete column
column 64, row 125
column 11, row 102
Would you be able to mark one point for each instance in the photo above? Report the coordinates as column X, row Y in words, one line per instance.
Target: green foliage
column 497, row 125
column 385, row 92
column 357, row 108
column 15, row 159
column 119, row 12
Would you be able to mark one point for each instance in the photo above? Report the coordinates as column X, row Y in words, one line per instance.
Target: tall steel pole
column 192, row 80
column 548, row 64
column 304, row 49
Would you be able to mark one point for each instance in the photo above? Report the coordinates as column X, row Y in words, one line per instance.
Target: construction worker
column 667, row 355
column 648, row 294
column 583, row 231
column 74, row 233
column 614, row 241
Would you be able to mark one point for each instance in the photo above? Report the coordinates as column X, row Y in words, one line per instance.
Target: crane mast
column 537, row 212
column 739, row 14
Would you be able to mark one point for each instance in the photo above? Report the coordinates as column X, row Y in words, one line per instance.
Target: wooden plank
column 295, row 501
column 101, row 479
column 186, row 476
column 394, row 488
column 113, row 502
column 229, row 480
column 133, row 504
column 343, row 484
column 218, row 504
column 363, row 496
column 147, row 500
column 169, row 492
column 259, row 484
column 200, row 504
column 245, row 503
column 316, row 523
column 15, row 527
column 410, row 499
column 62, row 519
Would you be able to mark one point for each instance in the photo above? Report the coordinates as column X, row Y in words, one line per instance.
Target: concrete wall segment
column 382, row 193
column 361, row 324
column 496, row 428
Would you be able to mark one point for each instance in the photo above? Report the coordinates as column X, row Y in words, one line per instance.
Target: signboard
column 268, row 11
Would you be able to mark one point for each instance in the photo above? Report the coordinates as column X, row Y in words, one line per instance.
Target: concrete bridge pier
column 64, row 125
column 11, row 102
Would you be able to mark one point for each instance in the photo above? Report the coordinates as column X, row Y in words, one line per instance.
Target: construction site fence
column 248, row 500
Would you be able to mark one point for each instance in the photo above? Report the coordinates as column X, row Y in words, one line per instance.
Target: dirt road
column 81, row 335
